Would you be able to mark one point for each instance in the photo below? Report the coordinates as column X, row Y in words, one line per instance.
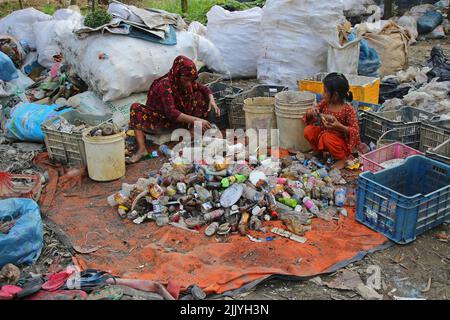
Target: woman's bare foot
column 340, row 164
column 136, row 157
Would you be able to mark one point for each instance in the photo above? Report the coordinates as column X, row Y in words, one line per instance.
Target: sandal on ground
column 30, row 287
column 56, row 280
column 89, row 280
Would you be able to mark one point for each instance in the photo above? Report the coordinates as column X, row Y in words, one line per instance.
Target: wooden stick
column 184, row 6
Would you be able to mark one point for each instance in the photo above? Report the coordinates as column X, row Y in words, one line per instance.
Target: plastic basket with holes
column 377, row 160
column 405, row 121
column 404, row 201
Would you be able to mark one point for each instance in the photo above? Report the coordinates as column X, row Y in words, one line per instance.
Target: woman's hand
column 205, row 124
column 312, row 112
column 213, row 105
column 332, row 123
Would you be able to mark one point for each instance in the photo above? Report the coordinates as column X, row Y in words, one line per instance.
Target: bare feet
column 136, row 157
column 340, row 164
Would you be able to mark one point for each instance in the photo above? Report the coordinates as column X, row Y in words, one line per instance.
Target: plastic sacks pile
column 236, row 197
column 426, row 88
column 426, row 21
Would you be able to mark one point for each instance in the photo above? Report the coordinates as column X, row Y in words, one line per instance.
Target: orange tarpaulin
column 161, row 254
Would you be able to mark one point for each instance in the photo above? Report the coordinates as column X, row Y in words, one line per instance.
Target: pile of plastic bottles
column 237, row 197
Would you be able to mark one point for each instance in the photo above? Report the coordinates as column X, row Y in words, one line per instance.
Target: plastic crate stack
column 390, row 126
column 236, row 112
column 406, row 200
column 435, row 140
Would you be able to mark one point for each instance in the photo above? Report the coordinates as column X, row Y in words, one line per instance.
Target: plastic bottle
column 309, row 204
column 166, row 151
column 340, row 197
column 203, row 194
column 210, row 216
column 289, row 202
column 252, row 194
column 237, row 178
column 320, row 174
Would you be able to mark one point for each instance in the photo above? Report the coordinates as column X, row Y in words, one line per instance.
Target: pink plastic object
column 372, row 161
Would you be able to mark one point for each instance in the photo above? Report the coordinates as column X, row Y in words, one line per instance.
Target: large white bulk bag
column 237, row 36
column 294, row 39
column 64, row 20
column 19, row 24
column 131, row 65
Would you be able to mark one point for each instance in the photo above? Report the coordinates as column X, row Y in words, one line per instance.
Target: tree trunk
column 20, row 4
column 387, row 9
column 93, row 6
column 184, row 6
column 73, row 2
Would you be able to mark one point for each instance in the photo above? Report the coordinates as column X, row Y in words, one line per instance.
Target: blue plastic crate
column 406, row 200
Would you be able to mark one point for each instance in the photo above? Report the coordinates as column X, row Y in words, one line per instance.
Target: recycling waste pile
column 238, row 197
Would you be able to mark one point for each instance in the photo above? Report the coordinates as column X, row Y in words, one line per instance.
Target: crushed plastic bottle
column 340, row 197
column 309, row 204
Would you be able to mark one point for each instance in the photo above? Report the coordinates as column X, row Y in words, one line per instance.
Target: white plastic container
column 105, row 156
column 290, row 106
column 259, row 114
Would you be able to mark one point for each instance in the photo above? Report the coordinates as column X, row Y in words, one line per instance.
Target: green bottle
column 237, row 178
column 291, row 202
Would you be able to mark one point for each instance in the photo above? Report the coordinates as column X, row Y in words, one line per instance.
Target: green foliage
column 197, row 9
column 97, row 18
column 49, row 9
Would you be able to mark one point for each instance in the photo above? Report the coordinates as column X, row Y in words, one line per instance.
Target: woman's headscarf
column 182, row 67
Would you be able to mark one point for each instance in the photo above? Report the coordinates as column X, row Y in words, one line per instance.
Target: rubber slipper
column 89, row 280
column 30, row 287
column 58, row 295
column 57, row 280
column 197, row 293
column 108, row 293
column 8, row 292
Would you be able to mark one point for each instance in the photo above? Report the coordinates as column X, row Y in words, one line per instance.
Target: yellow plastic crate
column 364, row 89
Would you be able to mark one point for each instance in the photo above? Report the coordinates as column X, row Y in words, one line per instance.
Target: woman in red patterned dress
column 173, row 100
column 333, row 123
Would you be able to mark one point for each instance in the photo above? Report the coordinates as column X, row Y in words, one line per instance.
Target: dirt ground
column 417, row 270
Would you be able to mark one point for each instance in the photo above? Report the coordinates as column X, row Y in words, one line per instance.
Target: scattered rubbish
column 368, row 293
column 9, row 274
column 428, row 287
column 86, row 250
column 289, row 235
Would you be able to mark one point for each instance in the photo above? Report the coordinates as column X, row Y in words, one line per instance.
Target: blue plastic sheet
column 8, row 71
column 369, row 61
column 26, row 120
column 23, row 243
column 429, row 21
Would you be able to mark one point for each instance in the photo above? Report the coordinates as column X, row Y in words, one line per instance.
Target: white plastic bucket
column 259, row 114
column 105, row 156
column 290, row 107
